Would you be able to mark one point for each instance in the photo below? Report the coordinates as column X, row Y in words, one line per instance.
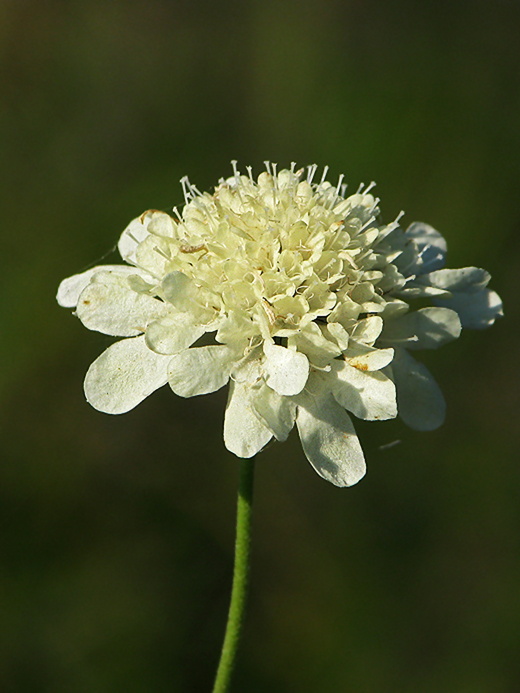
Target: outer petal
column 428, row 328
column 329, row 440
column 367, row 395
column 200, row 370
column 173, row 333
column 244, row 433
column 125, row 374
column 419, row 399
column 463, row 279
column 476, row 310
column 366, row 358
column 442, row 282
column 117, row 310
column 135, row 232
column 276, row 412
column 287, row 370
column 368, row 330
column 431, row 245
column 180, row 290
column 311, row 342
column 70, row 289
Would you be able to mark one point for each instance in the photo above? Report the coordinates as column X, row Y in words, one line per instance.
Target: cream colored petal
column 244, row 433
column 431, row 247
column 173, row 333
column 180, row 290
column 367, row 358
column 470, row 279
column 200, row 370
column 275, row 411
column 286, row 370
column 329, row 440
column 368, row 330
column 420, row 401
column 135, row 232
column 70, row 289
column 368, row 395
column 428, row 328
column 125, row 374
column 311, row 342
column 476, row 310
column 117, row 310
column 339, row 334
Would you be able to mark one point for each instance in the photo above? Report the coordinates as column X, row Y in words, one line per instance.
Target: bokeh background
column 116, row 533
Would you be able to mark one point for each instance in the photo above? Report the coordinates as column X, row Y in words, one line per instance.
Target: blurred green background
column 117, row 532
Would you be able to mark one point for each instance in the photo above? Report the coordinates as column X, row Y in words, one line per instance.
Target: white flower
column 289, row 291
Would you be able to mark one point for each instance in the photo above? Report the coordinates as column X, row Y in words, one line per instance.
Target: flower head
column 294, row 294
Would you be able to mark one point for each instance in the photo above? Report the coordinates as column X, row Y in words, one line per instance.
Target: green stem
column 240, row 576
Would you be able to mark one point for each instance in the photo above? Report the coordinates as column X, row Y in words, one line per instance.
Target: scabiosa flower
column 294, row 294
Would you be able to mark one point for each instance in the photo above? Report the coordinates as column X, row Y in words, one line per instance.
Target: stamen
column 185, row 189
column 250, row 173
column 160, row 251
column 369, row 188
column 367, row 223
column 268, row 167
column 338, row 187
column 361, row 186
column 235, row 171
column 325, row 171
column 376, row 202
column 311, row 171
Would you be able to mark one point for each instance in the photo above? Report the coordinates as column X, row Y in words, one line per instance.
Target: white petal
column 287, row 370
column 368, row 330
column 339, row 334
column 180, row 290
column 476, row 310
column 200, row 370
column 420, row 401
column 431, row 245
column 135, row 232
column 244, row 433
column 367, row 395
column 367, row 358
column 464, row 279
column 275, row 411
column 125, row 374
column 428, row 328
column 117, row 310
column 173, row 333
column 311, row 341
column 70, row 289
column 329, row 440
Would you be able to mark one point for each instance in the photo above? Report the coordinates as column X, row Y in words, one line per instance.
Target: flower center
column 271, row 256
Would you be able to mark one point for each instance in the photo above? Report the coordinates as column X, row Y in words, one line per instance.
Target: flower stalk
column 240, row 577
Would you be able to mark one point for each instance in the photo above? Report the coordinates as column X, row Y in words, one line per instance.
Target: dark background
column 117, row 532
